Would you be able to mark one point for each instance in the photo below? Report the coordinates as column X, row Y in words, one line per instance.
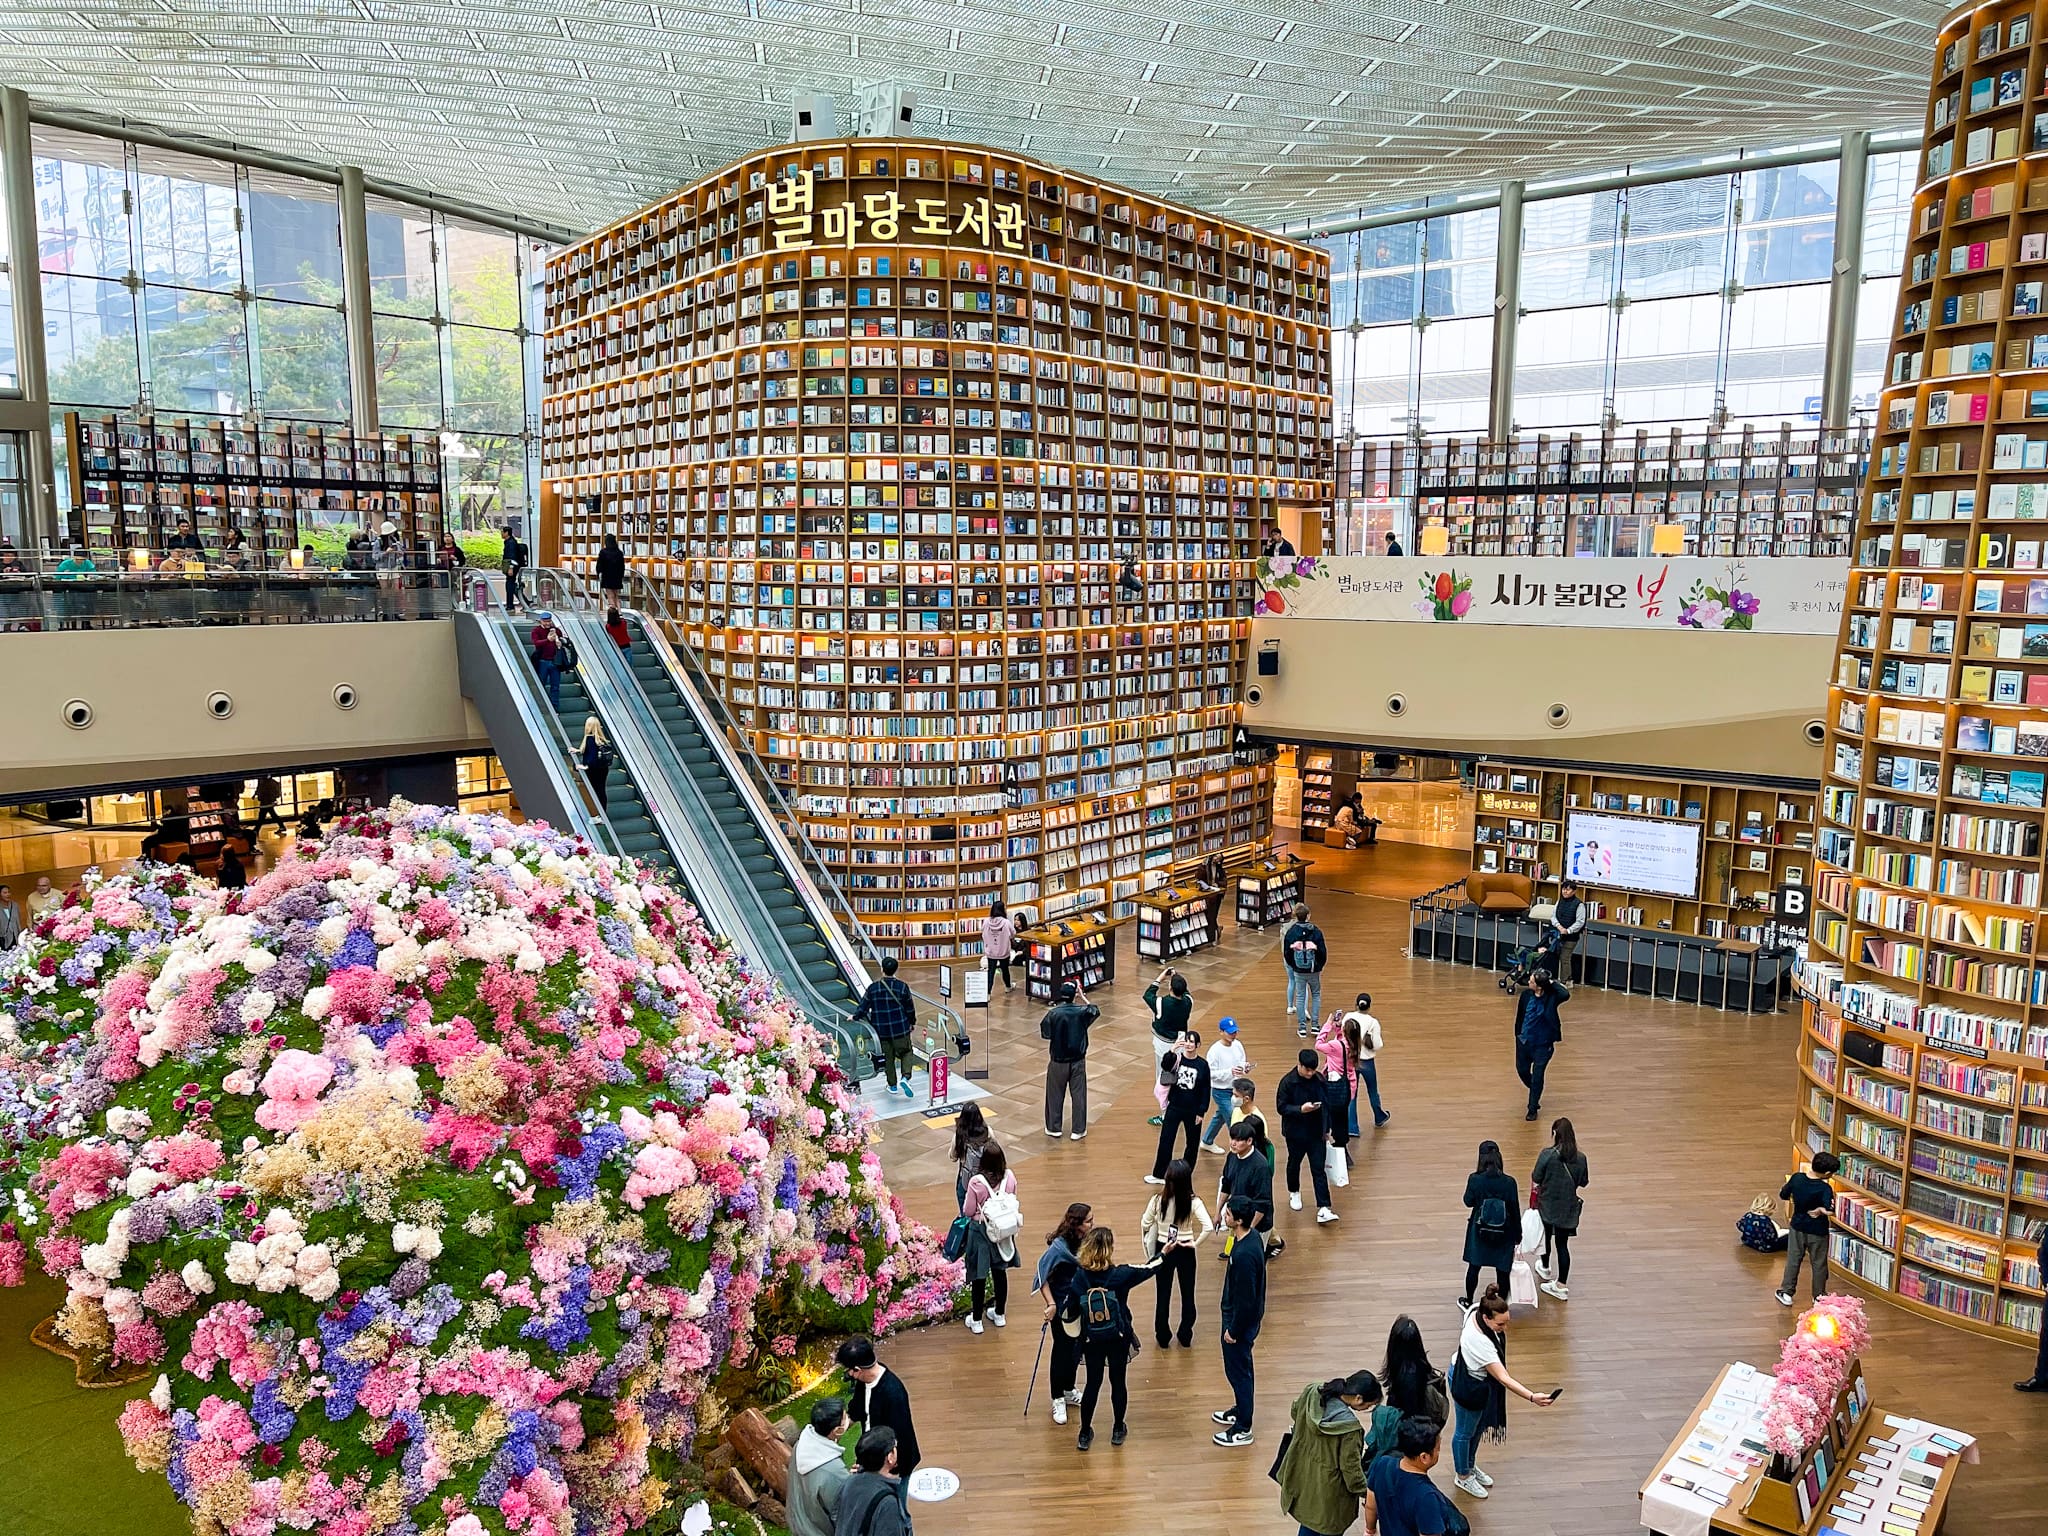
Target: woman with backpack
column 970, row 1139
column 1554, row 1186
column 1174, row 1225
column 1102, row 1289
column 1321, row 1470
column 1053, row 1280
column 1495, row 1203
column 1480, row 1385
column 991, row 1205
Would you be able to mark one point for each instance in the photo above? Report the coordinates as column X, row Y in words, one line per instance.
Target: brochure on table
column 1893, row 1479
column 1726, row 1444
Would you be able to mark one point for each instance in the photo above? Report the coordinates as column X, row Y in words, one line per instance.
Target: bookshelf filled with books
column 1942, row 1133
column 1173, row 921
column 1318, row 794
column 881, row 419
column 1926, row 1044
column 134, row 478
column 1081, row 950
column 1681, row 854
column 1269, row 888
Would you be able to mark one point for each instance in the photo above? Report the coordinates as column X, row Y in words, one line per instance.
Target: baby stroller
column 1528, row 960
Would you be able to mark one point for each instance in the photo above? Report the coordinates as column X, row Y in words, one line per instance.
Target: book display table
column 1268, row 888
column 1077, row 949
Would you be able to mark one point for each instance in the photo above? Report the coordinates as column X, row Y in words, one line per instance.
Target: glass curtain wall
column 186, row 285
column 1687, row 302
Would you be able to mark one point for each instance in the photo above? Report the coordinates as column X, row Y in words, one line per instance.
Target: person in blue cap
column 1227, row 1064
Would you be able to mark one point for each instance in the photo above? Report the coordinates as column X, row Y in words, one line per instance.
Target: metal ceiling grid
column 1275, row 111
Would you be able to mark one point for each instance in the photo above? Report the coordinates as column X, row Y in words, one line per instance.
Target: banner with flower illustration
column 1787, row 596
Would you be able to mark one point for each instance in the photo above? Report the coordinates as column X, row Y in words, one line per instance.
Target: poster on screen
column 1633, row 853
column 1788, row 596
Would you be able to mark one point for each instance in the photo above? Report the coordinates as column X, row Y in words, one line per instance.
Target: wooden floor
column 1684, row 1115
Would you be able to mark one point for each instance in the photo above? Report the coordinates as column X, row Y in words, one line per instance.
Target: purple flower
column 148, row 1222
column 1743, row 602
column 1305, row 566
column 359, row 948
column 273, row 1419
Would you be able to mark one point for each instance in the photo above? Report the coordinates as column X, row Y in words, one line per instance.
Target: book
column 2026, row 787
column 1973, row 734
column 2031, row 739
column 2004, row 740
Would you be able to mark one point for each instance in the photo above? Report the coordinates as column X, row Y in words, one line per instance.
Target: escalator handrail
column 638, row 737
column 847, row 936
column 799, row 857
column 570, row 783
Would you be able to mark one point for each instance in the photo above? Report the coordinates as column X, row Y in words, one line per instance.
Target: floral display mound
column 440, row 1177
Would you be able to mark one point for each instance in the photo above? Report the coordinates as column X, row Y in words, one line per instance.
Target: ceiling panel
column 1272, row 111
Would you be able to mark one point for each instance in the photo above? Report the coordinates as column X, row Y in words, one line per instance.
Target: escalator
column 625, row 807
column 804, row 930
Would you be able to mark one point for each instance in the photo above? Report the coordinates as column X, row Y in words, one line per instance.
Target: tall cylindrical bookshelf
column 885, row 420
column 1924, row 1056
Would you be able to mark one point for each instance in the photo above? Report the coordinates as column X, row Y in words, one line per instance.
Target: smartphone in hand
column 1552, row 1396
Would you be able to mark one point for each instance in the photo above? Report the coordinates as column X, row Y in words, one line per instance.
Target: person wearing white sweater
column 1174, row 1225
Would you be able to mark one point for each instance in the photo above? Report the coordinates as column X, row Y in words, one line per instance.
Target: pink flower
column 293, row 1082
column 138, row 1343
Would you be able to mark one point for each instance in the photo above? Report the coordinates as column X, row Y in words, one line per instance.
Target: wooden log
column 761, row 1448
column 734, row 1486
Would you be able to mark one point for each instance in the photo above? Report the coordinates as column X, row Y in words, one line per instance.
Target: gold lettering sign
column 796, row 221
column 1494, row 803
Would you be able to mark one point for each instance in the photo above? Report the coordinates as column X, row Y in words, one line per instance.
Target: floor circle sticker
column 928, row 1485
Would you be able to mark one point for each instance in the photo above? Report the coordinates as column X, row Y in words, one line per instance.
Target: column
column 24, row 263
column 355, row 288
column 1507, row 306
column 1846, row 284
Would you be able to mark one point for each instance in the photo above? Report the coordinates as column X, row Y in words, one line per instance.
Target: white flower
column 322, row 1286
column 274, row 1278
column 160, row 1395
column 257, row 1005
column 143, row 1180
column 313, row 1259
column 316, row 1003
column 697, row 1519
column 127, row 1123
column 279, row 1248
column 196, row 1279
column 103, row 1259
column 280, row 1220
column 123, row 1306
column 428, row 1245
column 404, row 1236
column 242, row 1265
column 257, row 961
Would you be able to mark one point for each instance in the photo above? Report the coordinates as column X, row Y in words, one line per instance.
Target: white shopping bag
column 1338, row 1167
column 1522, row 1291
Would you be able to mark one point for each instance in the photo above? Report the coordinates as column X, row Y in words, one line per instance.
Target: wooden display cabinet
column 1081, row 950
column 1172, row 922
column 1268, row 889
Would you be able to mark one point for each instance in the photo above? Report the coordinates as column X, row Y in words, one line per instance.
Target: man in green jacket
column 1322, row 1475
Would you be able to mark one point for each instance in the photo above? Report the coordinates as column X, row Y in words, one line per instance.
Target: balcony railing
column 171, row 588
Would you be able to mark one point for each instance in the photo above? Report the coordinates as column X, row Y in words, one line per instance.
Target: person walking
column 1537, row 1032
column 991, row 1205
column 875, row 1501
column 1299, row 1100
column 1054, row 1280
column 1186, row 1075
column 1371, row 1041
column 1304, row 952
column 10, row 919
column 1339, row 1042
column 390, row 569
column 1065, row 1031
column 597, row 755
column 1554, row 1185
column 1393, row 545
column 514, row 556
column 1567, row 926
column 1495, row 1220
column 546, row 641
column 1322, row 1470
column 2038, row 1382
column 891, row 1012
column 1248, row 1175
column 1480, row 1385
column 998, row 941
column 1244, row 1311
column 611, row 570
column 1174, row 1224
column 1227, row 1064
column 1812, row 1197
column 879, row 1402
column 970, row 1139
column 1400, row 1500
column 818, row 1471
column 267, row 792
column 1102, row 1289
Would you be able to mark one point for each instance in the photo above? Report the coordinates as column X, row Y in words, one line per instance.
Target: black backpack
column 1101, row 1315
column 1493, row 1220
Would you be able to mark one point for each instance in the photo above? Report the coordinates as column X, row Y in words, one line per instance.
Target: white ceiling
column 1270, row 111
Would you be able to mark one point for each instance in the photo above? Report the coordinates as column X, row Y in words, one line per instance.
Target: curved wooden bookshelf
column 883, row 418
column 1926, row 955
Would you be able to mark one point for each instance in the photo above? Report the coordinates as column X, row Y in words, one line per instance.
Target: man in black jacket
column 1247, row 1176
column 1299, row 1099
column 879, row 1402
column 2038, row 1382
column 1244, row 1309
column 1186, row 1075
column 1065, row 1031
column 1304, row 953
column 611, row 569
column 514, row 557
column 1537, row 1032
column 888, row 1006
column 871, row 1502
